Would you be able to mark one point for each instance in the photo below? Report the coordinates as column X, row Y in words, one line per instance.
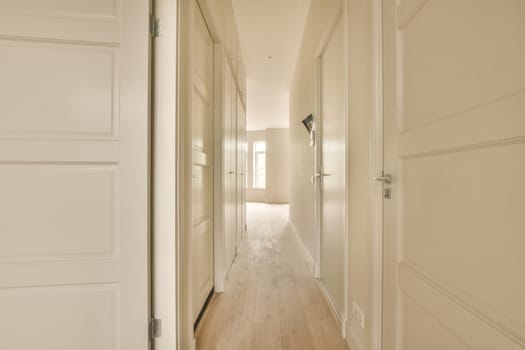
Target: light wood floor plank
column 271, row 300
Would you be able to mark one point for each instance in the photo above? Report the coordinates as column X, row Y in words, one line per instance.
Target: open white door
column 74, row 175
column 455, row 146
column 202, row 163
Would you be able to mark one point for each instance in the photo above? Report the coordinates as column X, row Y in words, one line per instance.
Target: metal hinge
column 154, row 26
column 155, row 328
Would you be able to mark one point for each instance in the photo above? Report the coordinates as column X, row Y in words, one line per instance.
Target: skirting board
column 338, row 319
column 351, row 340
column 306, row 253
column 310, row 261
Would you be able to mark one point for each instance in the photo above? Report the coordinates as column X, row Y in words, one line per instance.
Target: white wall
column 360, row 116
column 277, row 166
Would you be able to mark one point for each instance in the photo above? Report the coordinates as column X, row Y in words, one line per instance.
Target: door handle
column 318, row 176
column 386, row 178
column 230, row 172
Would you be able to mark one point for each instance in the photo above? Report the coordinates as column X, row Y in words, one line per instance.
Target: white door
column 230, row 209
column 202, row 153
column 74, row 175
column 333, row 168
column 244, row 172
column 455, row 146
column 241, row 167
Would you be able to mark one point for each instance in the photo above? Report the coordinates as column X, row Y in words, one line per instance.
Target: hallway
column 271, row 300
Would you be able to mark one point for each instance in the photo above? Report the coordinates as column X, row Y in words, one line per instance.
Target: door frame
column 165, row 174
column 376, row 166
column 376, row 169
column 176, row 155
column 186, row 339
column 340, row 14
column 172, row 176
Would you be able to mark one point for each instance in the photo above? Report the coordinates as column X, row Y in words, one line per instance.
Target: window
column 259, row 164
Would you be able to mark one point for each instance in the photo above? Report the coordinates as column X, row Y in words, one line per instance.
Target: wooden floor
column 271, row 300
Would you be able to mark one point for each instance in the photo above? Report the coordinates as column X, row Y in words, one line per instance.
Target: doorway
column 330, row 128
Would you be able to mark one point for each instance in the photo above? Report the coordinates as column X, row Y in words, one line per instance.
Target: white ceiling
column 269, row 28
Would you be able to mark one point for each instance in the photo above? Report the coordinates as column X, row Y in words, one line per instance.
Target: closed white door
column 202, row 154
column 333, row 168
column 455, row 146
column 74, row 175
column 230, row 209
column 244, row 172
column 241, row 167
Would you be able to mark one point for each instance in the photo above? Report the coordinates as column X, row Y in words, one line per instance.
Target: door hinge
column 154, row 26
column 155, row 328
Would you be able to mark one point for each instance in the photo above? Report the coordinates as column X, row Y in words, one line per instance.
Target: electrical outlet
column 358, row 314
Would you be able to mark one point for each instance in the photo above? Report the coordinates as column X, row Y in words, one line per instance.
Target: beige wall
column 302, row 103
column 302, row 155
column 359, row 123
column 277, row 166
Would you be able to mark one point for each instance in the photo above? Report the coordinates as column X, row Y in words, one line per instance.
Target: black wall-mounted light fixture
column 308, row 123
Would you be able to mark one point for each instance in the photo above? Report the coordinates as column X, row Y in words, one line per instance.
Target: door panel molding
column 497, row 123
column 376, row 169
column 449, row 304
column 454, row 227
column 75, row 155
column 408, row 10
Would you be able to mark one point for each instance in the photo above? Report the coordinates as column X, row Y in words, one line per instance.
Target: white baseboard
column 306, row 253
column 331, row 306
column 351, row 340
column 341, row 323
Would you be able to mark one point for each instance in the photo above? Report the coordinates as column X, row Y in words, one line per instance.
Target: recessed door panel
column 74, row 121
column 202, row 171
column 333, row 168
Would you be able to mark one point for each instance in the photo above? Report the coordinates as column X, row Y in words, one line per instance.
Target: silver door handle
column 230, row 172
column 318, row 176
column 387, row 179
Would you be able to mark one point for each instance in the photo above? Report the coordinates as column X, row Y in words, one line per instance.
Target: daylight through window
column 259, row 164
